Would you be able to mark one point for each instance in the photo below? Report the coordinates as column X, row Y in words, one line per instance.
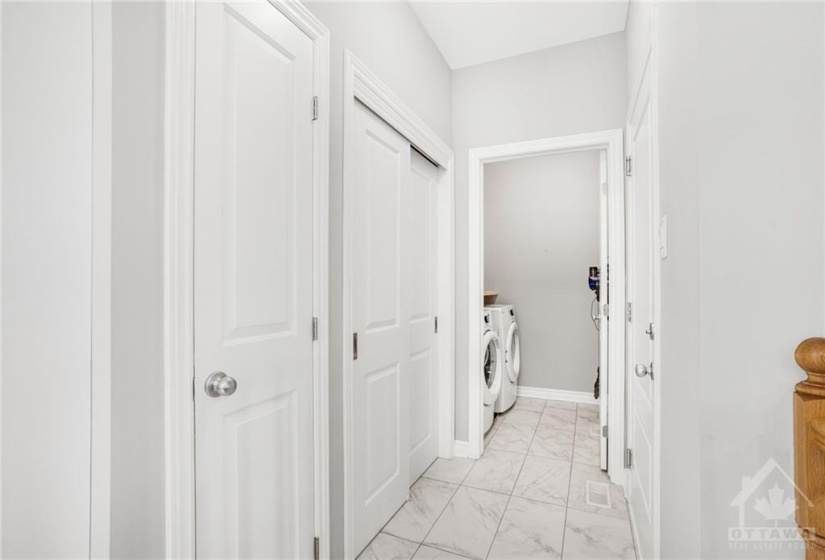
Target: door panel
column 380, row 312
column 253, row 283
column 641, row 350
column 422, row 260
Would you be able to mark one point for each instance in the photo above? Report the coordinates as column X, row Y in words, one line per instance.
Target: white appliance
column 503, row 318
column 492, row 369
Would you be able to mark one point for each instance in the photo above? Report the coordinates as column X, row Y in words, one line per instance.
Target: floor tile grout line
column 435, row 546
column 441, row 513
column 513, row 489
column 569, row 483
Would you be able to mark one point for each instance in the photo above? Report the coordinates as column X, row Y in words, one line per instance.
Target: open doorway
column 577, row 357
column 545, row 282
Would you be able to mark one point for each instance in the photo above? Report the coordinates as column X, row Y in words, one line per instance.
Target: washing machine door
column 492, row 363
column 513, row 350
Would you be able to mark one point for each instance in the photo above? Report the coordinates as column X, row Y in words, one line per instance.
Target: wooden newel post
column 809, row 447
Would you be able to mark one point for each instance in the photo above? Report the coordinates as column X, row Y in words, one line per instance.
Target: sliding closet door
column 379, row 289
column 422, row 263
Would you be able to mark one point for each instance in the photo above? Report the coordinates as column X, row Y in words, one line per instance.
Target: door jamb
column 178, row 271
column 612, row 142
column 360, row 84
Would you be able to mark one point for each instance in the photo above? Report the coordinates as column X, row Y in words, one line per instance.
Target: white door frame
column 612, row 142
column 179, row 340
column 360, row 84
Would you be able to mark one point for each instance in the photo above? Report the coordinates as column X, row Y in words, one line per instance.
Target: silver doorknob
column 218, row 384
column 642, row 370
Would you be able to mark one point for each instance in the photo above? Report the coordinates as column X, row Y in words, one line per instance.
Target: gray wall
column 761, row 220
column 47, row 150
column 390, row 40
column 741, row 173
column 564, row 90
column 541, row 233
column 137, row 282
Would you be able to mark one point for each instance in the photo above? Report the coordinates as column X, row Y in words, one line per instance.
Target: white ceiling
column 474, row 32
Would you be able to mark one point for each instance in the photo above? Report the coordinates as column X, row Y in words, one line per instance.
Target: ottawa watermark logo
column 766, row 506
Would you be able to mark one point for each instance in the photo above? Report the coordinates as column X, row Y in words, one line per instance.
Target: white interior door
column 423, row 393
column 604, row 269
column 641, row 359
column 253, row 283
column 380, row 284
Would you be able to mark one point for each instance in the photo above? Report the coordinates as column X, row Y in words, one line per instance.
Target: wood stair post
column 809, row 447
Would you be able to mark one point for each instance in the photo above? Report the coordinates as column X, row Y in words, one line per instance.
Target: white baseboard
column 555, row 395
column 461, row 448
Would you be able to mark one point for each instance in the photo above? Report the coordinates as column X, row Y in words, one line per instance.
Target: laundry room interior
column 541, row 237
column 543, row 223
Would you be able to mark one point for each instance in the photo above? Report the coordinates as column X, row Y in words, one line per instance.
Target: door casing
column 361, row 85
column 611, row 141
column 178, row 271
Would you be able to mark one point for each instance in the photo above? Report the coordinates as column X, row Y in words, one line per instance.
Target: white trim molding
column 178, row 280
column 612, row 142
column 101, row 388
column 582, row 397
column 179, row 269
column 461, row 448
column 360, row 84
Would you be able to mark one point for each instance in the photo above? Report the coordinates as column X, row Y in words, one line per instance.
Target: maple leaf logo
column 777, row 507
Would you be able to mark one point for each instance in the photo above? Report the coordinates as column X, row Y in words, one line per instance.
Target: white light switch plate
column 663, row 238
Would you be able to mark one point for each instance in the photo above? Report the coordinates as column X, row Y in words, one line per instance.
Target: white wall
column 390, row 40
column 565, row 90
column 741, row 171
column 541, row 234
column 46, row 278
column 761, row 220
column 138, row 522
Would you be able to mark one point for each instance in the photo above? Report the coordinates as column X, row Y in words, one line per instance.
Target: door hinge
column 193, row 388
column 628, row 458
column 629, row 312
column 316, row 548
column 650, row 331
column 315, row 328
column 628, row 166
column 315, row 108
column 604, row 431
column 606, row 311
column 355, row 346
column 436, row 325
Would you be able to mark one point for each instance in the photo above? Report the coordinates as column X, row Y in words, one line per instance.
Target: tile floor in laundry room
column 537, row 492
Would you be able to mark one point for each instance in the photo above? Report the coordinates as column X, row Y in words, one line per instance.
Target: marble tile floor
column 537, row 492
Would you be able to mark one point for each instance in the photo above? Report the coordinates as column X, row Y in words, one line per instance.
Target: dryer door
column 513, row 349
column 492, row 364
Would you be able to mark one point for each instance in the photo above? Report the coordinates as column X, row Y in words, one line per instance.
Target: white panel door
column 423, row 393
column 253, row 283
column 641, row 359
column 380, row 321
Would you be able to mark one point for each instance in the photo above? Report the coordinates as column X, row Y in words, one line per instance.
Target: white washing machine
column 503, row 318
column 492, row 369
